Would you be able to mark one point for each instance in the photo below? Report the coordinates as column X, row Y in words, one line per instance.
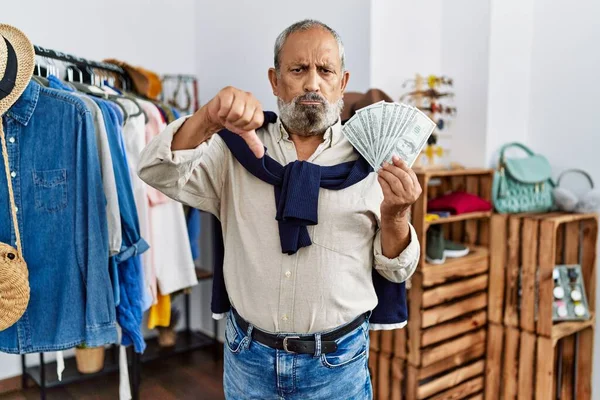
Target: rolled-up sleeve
column 194, row 177
column 401, row 268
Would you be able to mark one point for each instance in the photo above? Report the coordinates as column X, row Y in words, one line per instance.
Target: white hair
column 305, row 25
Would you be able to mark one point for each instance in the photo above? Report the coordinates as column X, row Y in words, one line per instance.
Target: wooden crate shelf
column 525, row 249
column 460, row 217
column 465, row 380
column 444, row 297
column 434, row 173
column 476, row 262
column 441, row 352
column 522, row 364
column 528, row 354
column 561, row 330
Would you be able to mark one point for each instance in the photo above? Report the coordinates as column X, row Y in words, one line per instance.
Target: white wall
column 140, row 32
column 235, row 41
column 156, row 34
column 405, row 40
column 464, row 57
column 508, row 102
column 437, row 37
column 564, row 100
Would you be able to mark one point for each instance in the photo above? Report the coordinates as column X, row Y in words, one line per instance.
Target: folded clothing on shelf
column 458, row 203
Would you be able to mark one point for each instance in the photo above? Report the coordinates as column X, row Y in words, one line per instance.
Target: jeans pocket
column 350, row 348
column 234, row 340
column 50, row 189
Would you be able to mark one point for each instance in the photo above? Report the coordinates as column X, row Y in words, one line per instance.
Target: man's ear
column 345, row 79
column 273, row 80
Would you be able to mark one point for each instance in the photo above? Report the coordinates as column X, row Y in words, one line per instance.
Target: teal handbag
column 522, row 184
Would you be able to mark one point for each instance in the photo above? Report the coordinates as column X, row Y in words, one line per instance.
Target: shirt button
column 16, row 209
column 12, row 140
column 13, row 174
column 285, row 318
column 288, row 274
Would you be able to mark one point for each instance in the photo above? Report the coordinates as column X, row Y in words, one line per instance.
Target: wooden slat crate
column 444, row 344
column 465, row 380
column 524, row 344
column 524, row 365
column 449, row 300
column 386, row 368
column 525, row 248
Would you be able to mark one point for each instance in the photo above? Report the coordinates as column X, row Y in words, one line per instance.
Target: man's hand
column 400, row 188
column 231, row 108
column 241, row 113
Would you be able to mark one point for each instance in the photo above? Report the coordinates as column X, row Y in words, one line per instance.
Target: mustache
column 311, row 96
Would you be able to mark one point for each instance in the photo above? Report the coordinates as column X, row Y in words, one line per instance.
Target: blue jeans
column 255, row 371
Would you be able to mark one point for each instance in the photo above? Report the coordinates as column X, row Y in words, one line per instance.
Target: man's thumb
column 252, row 140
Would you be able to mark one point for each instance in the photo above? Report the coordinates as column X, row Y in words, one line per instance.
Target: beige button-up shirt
column 320, row 287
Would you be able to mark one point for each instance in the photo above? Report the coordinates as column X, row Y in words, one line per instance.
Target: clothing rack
column 57, row 55
column 188, row 340
column 185, row 78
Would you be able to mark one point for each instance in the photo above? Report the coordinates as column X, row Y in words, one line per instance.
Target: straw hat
column 16, row 53
column 17, row 59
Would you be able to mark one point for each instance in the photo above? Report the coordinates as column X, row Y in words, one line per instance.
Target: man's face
column 310, row 83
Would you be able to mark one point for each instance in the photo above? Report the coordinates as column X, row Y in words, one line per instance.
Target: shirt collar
column 331, row 137
column 24, row 107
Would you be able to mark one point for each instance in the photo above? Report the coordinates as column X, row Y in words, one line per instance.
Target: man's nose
column 311, row 84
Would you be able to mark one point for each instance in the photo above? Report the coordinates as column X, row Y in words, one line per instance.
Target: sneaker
column 434, row 252
column 455, row 250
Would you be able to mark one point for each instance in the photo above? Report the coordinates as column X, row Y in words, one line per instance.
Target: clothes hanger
column 92, row 90
column 174, row 101
column 37, row 76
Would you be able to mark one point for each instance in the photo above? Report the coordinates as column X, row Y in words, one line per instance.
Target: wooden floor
column 190, row 376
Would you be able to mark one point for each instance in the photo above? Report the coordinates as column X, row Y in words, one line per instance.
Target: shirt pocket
column 345, row 222
column 50, row 189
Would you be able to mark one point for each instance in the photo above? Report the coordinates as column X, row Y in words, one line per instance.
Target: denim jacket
column 62, row 216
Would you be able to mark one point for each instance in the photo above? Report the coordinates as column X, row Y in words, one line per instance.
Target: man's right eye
column 296, row 70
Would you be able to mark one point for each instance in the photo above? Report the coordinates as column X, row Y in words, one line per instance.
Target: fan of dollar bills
column 385, row 129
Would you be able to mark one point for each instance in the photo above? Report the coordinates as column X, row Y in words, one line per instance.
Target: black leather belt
column 304, row 344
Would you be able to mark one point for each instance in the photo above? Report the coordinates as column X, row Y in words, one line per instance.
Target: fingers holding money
column 400, row 187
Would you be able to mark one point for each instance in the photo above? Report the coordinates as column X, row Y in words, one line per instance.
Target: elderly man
column 298, row 265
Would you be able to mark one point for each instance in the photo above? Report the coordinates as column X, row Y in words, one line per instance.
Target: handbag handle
column 11, row 195
column 514, row 144
column 579, row 171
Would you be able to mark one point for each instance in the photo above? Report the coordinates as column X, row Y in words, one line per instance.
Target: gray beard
column 309, row 120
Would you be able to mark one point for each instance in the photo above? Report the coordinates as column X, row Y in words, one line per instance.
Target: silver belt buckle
column 285, row 343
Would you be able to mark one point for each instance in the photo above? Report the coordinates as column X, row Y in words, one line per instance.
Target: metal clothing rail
column 183, row 77
column 57, row 55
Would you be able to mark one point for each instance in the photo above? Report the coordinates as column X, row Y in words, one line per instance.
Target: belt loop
column 249, row 335
column 317, row 345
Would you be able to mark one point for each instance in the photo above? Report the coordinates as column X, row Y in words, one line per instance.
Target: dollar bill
column 369, row 117
column 389, row 114
column 352, row 130
column 396, row 131
column 413, row 139
column 385, row 129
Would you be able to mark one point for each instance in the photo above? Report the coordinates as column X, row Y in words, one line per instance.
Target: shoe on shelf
column 434, row 252
column 454, row 250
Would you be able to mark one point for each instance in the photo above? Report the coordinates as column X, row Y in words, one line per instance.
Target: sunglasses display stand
column 429, row 94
